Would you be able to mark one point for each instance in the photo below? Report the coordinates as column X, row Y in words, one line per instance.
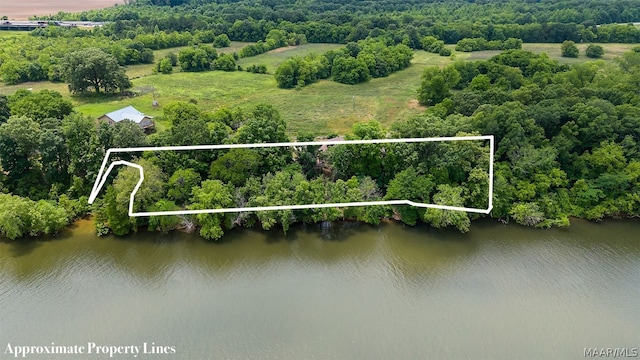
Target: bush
column 445, row 52
column 569, row 49
column 221, row 41
column 594, row 51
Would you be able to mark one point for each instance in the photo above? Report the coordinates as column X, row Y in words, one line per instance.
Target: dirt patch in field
column 414, row 104
column 282, row 49
column 22, row 10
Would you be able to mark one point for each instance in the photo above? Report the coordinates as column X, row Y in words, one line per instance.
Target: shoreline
column 86, row 223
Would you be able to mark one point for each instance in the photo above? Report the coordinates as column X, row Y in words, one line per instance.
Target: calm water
column 349, row 291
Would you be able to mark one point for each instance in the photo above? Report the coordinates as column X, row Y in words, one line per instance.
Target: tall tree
column 94, row 68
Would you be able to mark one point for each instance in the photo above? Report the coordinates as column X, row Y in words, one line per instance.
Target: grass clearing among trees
column 321, row 108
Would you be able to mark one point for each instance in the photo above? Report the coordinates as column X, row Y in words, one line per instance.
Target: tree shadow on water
column 337, row 231
column 23, row 246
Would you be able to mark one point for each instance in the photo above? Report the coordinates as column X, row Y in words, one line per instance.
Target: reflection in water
column 338, row 290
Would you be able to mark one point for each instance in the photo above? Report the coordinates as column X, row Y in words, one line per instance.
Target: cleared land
column 321, row 108
column 22, row 10
column 272, row 59
column 553, row 50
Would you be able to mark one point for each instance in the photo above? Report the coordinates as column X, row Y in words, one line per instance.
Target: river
column 339, row 292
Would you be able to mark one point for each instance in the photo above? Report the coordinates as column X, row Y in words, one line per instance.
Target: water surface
column 345, row 291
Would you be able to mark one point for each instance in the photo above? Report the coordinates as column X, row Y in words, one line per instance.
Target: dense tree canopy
column 94, row 69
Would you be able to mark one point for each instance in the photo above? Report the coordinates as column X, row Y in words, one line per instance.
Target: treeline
column 284, row 176
column 325, row 21
column 355, row 63
column 479, row 44
column 567, row 139
column 37, row 58
column 204, row 57
column 42, row 57
column 517, row 12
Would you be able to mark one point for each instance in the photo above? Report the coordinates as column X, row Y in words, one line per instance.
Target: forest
column 567, row 136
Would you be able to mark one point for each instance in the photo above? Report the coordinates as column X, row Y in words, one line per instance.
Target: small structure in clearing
column 132, row 114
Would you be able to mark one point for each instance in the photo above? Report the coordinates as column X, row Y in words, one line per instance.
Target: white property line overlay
column 102, row 175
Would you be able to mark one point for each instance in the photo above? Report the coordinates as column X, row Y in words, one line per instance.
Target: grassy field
column 611, row 51
column 274, row 57
column 321, row 108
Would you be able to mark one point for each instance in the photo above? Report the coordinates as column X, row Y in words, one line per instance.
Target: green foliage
column 224, row 62
column 21, row 216
column 164, row 66
column 164, row 223
column 569, row 49
column 38, row 106
column 436, row 84
column 409, row 185
column 349, row 70
column 236, row 166
column 212, row 194
column 594, row 51
column 19, row 140
column 5, row 111
column 221, row 41
column 127, row 134
column 478, row 44
column 85, row 152
column 197, row 58
column 181, row 183
column 93, row 68
column 450, row 196
column 527, row 214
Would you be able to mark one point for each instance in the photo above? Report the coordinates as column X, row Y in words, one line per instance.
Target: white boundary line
column 102, row 175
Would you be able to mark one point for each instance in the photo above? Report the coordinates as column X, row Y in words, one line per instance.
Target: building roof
column 127, row 113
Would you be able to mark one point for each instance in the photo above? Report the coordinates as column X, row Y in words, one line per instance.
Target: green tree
column 221, row 41
column 349, row 70
column 5, row 111
column 527, row 214
column 85, row 151
column 54, row 155
column 436, row 84
column 594, row 51
column 236, row 166
column 265, row 125
column 286, row 75
column 14, row 216
column 164, row 223
column 181, row 183
column 569, row 49
column 438, row 218
column 164, row 66
column 19, row 140
column 409, row 185
column 39, row 106
column 93, row 68
column 128, row 134
column 212, row 194
column 224, row 62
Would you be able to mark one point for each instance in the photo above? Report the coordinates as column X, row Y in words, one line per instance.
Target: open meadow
column 321, row 108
